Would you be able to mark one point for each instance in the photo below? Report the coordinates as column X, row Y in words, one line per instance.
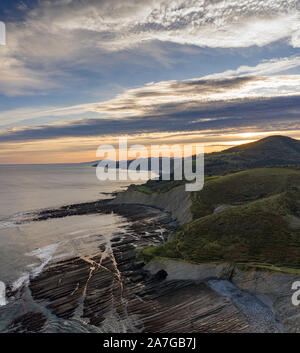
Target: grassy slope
column 257, row 231
column 241, row 187
column 253, row 232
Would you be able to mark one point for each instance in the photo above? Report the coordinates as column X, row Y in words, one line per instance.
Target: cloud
column 17, row 79
column 274, row 113
column 210, row 23
column 155, row 97
column 161, row 97
column 22, row 115
column 217, row 101
column 266, row 67
column 54, row 37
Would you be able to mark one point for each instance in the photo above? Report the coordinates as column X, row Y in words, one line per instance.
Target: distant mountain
column 272, row 145
column 270, row 151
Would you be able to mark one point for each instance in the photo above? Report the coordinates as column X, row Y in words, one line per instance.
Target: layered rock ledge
column 112, row 291
column 268, row 293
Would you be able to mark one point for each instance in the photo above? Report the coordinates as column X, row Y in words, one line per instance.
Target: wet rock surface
column 28, row 323
column 112, row 292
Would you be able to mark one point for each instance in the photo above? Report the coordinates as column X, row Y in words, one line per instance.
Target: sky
column 75, row 74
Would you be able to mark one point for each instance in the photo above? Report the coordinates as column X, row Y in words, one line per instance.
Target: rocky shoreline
column 270, row 290
column 112, row 291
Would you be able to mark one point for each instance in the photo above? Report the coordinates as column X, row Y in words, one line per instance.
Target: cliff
column 176, row 201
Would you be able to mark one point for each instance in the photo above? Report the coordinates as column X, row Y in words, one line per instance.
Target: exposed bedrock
column 112, row 292
column 270, row 292
column 119, row 296
column 275, row 289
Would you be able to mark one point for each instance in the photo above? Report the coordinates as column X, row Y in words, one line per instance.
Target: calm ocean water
column 26, row 248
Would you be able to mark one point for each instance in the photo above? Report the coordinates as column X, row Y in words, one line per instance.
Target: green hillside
column 241, row 187
column 258, row 218
column 265, row 232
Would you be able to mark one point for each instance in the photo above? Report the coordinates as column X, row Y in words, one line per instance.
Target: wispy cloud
column 25, row 115
column 266, row 67
column 18, row 79
column 260, row 114
column 81, row 33
column 225, row 23
column 151, row 98
column 167, row 96
column 228, row 99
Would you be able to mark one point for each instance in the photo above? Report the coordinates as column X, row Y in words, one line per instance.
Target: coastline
column 114, row 292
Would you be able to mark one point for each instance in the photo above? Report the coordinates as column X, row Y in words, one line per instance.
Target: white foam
column 77, row 232
column 64, row 256
column 24, row 279
column 4, row 225
column 45, row 254
column 15, row 220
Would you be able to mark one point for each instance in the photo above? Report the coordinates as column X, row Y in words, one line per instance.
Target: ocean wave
column 24, row 279
column 15, row 220
column 6, row 224
column 45, row 254
column 77, row 232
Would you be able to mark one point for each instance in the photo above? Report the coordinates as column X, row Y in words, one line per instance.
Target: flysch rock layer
column 112, row 292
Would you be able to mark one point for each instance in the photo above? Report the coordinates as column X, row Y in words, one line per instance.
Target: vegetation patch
column 257, row 232
column 242, row 187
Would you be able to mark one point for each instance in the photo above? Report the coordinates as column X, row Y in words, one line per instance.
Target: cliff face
column 264, row 296
column 176, row 201
column 276, row 291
